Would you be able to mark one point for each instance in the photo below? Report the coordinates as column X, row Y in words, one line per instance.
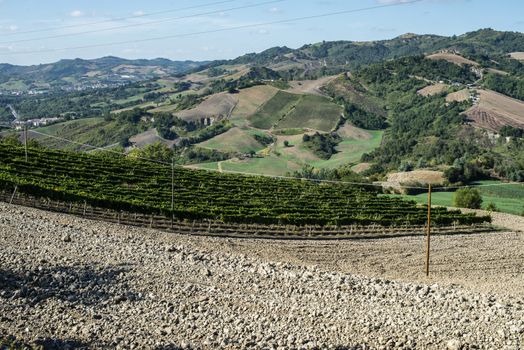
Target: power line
column 441, row 188
column 328, row 14
column 133, row 25
column 118, row 18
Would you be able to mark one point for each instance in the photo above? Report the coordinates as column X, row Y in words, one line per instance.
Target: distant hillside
column 330, row 57
column 79, row 74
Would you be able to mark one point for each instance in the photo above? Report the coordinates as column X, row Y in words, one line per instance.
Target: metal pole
column 25, row 142
column 428, row 230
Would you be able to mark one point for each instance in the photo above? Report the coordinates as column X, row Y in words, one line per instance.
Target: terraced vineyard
column 122, row 184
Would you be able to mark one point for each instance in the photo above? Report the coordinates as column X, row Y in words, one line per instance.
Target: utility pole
column 25, row 141
column 428, row 230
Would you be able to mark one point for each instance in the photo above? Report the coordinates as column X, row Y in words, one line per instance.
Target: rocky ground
column 67, row 282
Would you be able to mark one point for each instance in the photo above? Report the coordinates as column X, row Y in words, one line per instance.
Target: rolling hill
column 411, row 102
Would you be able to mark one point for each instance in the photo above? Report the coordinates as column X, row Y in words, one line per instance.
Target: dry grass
column 350, row 131
column 417, row 176
column 361, row 167
column 459, row 96
column 147, row 138
column 215, row 106
column 433, row 89
column 496, row 110
column 517, row 55
column 311, row 87
column 250, row 99
column 453, row 58
column 233, row 140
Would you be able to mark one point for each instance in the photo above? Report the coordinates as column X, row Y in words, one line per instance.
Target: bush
column 286, row 143
column 491, row 207
column 467, row 198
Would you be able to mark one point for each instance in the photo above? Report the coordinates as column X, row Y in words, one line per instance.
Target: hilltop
column 452, row 104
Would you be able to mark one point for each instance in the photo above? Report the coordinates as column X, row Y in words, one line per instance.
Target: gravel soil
column 66, row 282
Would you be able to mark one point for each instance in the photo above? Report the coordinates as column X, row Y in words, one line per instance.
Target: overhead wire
column 232, row 28
column 436, row 188
column 134, row 25
column 149, row 14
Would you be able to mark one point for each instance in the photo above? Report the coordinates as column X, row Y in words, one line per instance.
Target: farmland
column 507, row 198
column 123, row 184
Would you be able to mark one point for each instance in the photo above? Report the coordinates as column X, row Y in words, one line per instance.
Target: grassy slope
column 508, row 198
column 233, row 140
column 314, row 112
column 274, row 110
column 286, row 159
column 94, row 131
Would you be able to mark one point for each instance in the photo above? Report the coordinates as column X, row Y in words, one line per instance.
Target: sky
column 36, row 31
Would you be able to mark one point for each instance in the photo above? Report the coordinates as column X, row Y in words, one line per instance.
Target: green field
column 508, row 198
column 351, row 150
column 313, row 112
column 233, row 140
column 282, row 160
column 273, row 110
column 93, row 131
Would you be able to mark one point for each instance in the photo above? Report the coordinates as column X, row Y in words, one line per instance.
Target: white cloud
column 13, row 28
column 138, row 13
column 274, row 10
column 76, row 13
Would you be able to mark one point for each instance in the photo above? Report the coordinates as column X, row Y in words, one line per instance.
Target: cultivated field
column 311, row 87
column 250, row 99
column 434, row 89
column 453, row 58
column 459, row 96
column 424, row 177
column 496, row 110
column 273, row 110
column 517, row 55
column 73, row 283
column 312, row 112
column 233, row 140
column 147, row 138
column 215, row 106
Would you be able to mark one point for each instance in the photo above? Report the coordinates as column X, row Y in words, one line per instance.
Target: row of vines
column 121, row 183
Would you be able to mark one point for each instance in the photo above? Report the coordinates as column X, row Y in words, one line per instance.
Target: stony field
column 67, row 282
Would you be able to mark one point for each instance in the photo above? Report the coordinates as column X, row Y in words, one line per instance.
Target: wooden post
column 428, row 230
column 25, row 142
column 172, row 184
column 13, row 196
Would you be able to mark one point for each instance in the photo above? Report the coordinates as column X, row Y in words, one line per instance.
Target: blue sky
column 444, row 17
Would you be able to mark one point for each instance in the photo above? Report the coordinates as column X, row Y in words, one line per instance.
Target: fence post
column 13, row 195
column 25, row 142
column 428, row 230
column 85, row 205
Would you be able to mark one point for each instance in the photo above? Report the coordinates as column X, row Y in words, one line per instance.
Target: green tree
column 467, row 198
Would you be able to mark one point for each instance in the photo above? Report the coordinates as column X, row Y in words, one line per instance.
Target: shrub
column 467, row 198
column 491, row 207
column 286, row 143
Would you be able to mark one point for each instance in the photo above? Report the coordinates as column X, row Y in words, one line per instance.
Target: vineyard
column 119, row 183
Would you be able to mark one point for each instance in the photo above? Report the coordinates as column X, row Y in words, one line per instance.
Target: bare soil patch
column 433, row 89
column 458, row 96
column 495, row 110
column 351, row 131
column 309, row 86
column 419, row 176
column 218, row 106
column 453, row 58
